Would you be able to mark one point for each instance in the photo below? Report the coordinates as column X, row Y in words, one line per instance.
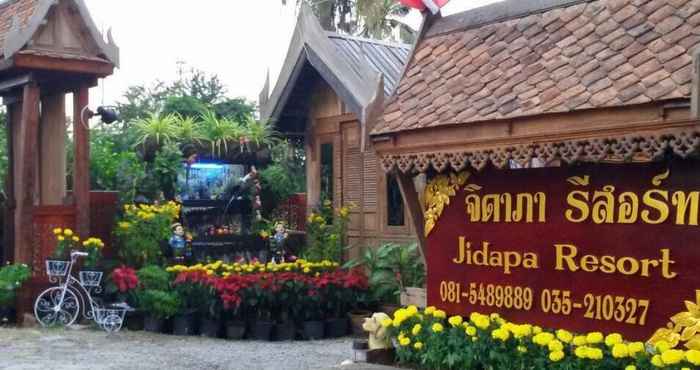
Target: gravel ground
column 29, row 349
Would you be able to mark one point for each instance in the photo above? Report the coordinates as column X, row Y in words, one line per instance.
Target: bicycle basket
column 90, row 278
column 57, row 268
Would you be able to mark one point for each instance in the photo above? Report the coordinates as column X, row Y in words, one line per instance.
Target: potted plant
column 260, row 297
column 231, row 290
column 195, row 290
column 125, row 282
column 159, row 306
column 90, row 275
column 288, row 293
column 313, row 327
column 11, row 278
column 66, row 240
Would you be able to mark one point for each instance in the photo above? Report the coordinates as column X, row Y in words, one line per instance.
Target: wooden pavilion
column 526, row 83
column 49, row 48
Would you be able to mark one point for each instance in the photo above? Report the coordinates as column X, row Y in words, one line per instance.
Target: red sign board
column 614, row 248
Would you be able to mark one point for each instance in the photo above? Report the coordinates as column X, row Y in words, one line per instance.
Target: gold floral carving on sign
column 579, row 180
column 684, row 327
column 656, row 181
column 437, row 196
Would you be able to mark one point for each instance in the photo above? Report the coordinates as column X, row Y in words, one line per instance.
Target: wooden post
column 415, row 211
column 29, row 136
column 81, row 169
column 10, row 203
column 53, row 150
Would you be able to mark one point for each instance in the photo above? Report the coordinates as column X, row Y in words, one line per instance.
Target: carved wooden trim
column 627, row 148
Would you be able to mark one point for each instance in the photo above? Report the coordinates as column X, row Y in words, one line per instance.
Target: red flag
column 433, row 5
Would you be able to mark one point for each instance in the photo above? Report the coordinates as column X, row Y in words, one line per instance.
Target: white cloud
column 237, row 40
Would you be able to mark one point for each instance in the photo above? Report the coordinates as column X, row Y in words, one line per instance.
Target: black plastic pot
column 235, row 330
column 285, row 331
column 8, row 315
column 153, row 324
column 184, row 324
column 336, row 328
column 313, row 330
column 210, row 328
column 134, row 320
column 262, row 330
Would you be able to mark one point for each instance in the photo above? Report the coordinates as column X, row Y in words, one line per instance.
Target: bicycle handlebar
column 78, row 254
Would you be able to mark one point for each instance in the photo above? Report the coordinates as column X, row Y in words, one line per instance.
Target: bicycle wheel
column 51, row 311
column 112, row 323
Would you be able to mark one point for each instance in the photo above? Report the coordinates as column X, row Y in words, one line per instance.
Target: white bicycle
column 60, row 306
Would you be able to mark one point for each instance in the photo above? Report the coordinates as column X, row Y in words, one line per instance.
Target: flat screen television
column 207, row 181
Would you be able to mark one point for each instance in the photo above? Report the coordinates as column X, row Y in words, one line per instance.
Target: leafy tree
column 237, row 109
column 185, row 106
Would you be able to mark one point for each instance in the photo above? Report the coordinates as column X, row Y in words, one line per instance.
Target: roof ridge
column 495, row 13
column 332, row 34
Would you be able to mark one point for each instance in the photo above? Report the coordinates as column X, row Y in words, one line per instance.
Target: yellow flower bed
column 428, row 339
column 220, row 268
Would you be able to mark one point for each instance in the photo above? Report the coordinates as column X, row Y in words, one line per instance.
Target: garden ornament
column 378, row 338
column 177, row 241
column 278, row 241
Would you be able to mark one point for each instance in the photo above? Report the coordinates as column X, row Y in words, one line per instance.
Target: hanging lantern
column 433, row 5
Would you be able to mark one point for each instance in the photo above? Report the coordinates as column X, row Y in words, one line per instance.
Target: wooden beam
column 93, row 67
column 81, row 168
column 27, row 191
column 15, row 82
column 415, row 211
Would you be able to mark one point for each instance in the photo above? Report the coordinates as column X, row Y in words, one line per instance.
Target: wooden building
column 525, row 83
column 330, row 88
column 49, row 48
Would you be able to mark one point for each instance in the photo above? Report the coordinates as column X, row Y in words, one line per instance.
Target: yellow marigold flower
column 579, row 340
column 412, row 310
column 522, row 349
column 521, row 331
column 630, row 367
column 429, row 310
column 124, row 225
column 672, row 356
column 656, row 361
column 594, row 337
column 404, row 341
column 57, row 231
column 494, row 316
column 416, row 329
column 543, row 338
column 536, row 329
column 440, row 314
column 500, row 334
column 307, row 270
column 662, row 346
column 470, row 330
column 581, row 352
column 620, row 350
column 76, row 239
column 556, row 356
column 594, row 353
column 418, row 346
column 693, row 356
column 455, row 321
column 386, row 323
column 60, row 238
column 564, row 336
column 634, row 348
column 437, row 327
column 68, row 232
column 613, row 339
column 555, row 346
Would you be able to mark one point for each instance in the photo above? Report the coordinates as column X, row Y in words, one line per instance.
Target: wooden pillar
column 53, row 150
column 81, row 169
column 11, row 124
column 27, row 181
column 415, row 211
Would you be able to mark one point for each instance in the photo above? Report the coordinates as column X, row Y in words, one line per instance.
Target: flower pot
column 134, row 320
column 209, row 328
column 413, row 296
column 313, row 330
column 90, row 278
column 8, row 315
column 235, row 330
column 336, row 328
column 153, row 324
column 285, row 331
column 57, row 268
column 357, row 318
column 262, row 330
column 184, row 324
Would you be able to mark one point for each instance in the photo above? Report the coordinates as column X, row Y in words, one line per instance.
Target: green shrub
column 153, row 278
column 159, row 303
column 11, row 278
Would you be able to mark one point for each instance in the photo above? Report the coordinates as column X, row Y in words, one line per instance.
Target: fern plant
column 155, row 129
column 188, row 130
column 220, row 133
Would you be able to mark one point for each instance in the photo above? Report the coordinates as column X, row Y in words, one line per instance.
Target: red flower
column 125, row 278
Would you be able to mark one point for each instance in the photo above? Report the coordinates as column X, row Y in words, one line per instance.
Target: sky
column 237, row 40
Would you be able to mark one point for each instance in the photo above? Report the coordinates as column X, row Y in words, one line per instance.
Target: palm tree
column 379, row 19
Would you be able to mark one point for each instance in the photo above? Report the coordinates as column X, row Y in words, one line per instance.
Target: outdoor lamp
column 108, row 114
column 359, row 349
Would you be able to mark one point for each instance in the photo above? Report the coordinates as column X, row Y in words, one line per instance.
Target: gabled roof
column 529, row 57
column 21, row 19
column 354, row 67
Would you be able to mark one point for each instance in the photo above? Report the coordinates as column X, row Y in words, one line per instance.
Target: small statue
column 377, row 333
column 177, row 241
column 278, row 242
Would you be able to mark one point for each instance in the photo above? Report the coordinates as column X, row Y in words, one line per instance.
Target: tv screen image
column 208, row 181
